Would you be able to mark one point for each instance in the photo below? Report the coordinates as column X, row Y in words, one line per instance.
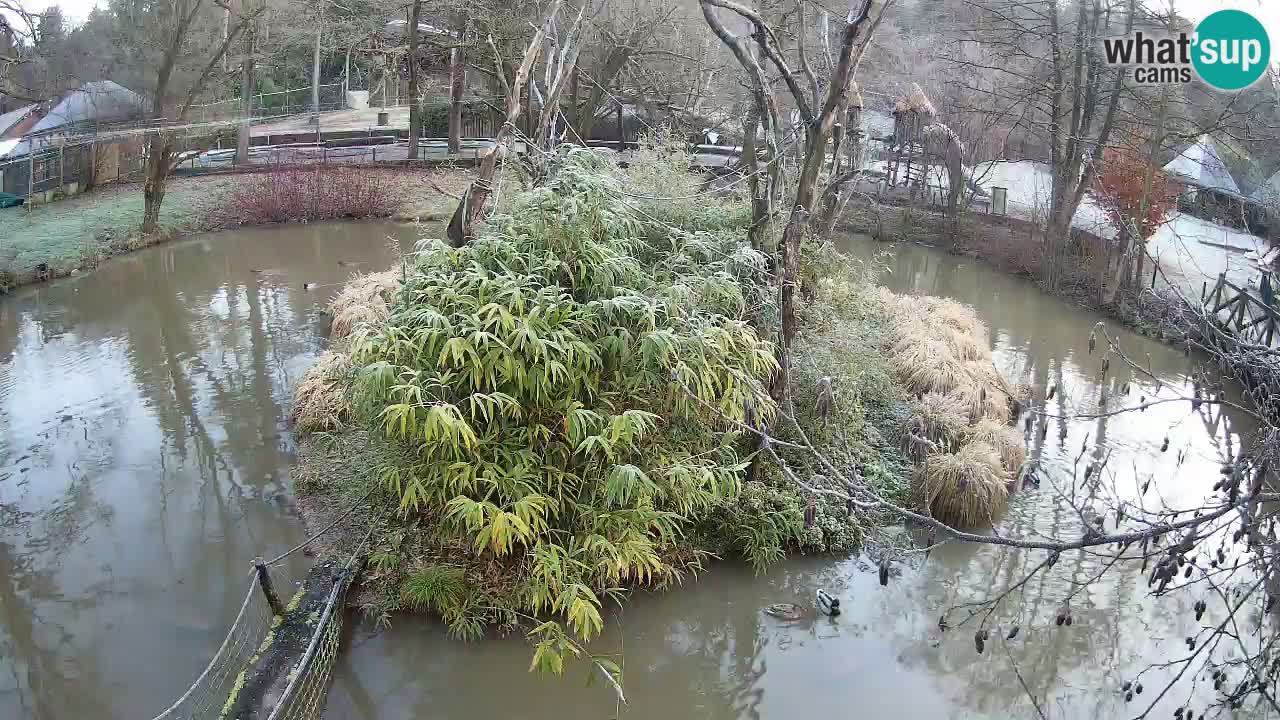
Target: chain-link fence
column 303, row 697
column 65, row 169
column 209, row 693
column 280, row 103
column 251, row 646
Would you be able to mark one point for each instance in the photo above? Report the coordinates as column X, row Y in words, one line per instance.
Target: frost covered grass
column 80, row 232
column 76, row 234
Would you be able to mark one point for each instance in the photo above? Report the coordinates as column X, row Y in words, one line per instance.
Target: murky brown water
column 143, row 450
column 706, row 651
column 144, row 453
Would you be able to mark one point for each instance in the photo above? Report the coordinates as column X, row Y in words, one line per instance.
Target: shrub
column 435, row 115
column 321, row 192
column 561, row 384
column 1131, row 198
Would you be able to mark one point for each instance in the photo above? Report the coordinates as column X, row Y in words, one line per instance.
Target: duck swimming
column 791, row 612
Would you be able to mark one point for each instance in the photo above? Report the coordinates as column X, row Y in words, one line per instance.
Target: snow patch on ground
column 1030, row 187
column 1192, row 252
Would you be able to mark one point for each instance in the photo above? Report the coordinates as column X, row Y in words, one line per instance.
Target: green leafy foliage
column 564, row 390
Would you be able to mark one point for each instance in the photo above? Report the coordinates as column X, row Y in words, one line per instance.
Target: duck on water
column 791, row 612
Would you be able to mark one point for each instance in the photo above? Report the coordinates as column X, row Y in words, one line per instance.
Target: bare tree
column 474, row 200
column 1072, row 100
column 818, row 110
column 178, row 36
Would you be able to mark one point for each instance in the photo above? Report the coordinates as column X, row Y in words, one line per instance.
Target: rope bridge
column 276, row 660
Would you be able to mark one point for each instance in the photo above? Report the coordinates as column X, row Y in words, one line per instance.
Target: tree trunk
column 751, row 166
column 457, row 84
column 471, row 207
column 315, row 68
column 246, row 91
column 415, row 109
column 159, row 149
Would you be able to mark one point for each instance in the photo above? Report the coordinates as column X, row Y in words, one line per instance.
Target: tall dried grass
column 321, row 401
column 1007, row 441
column 928, row 366
column 363, row 300
column 939, row 350
column 939, row 418
column 964, row 489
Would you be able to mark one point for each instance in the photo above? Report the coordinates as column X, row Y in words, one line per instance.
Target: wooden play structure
column 906, row 163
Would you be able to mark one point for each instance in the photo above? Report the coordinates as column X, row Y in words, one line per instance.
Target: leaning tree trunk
column 471, row 207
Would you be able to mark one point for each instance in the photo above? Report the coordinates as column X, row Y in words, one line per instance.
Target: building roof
column 1200, row 165
column 13, row 117
column 100, row 101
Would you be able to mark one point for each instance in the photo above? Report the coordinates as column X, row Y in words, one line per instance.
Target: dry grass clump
column 964, row 489
column 964, row 345
column 939, row 350
column 955, row 316
column 928, row 366
column 1007, row 441
column 938, row 418
column 363, row 300
column 981, row 402
column 321, row 401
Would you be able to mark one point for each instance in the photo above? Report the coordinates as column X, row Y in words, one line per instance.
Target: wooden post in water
column 264, row 581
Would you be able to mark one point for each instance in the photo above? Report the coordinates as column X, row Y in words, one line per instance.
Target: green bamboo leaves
column 559, row 388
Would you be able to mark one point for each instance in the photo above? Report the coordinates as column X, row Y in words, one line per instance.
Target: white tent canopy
column 1201, row 165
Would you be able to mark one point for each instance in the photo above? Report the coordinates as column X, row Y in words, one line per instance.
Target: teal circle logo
column 1232, row 50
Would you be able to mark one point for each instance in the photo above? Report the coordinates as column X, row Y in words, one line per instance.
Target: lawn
column 80, row 232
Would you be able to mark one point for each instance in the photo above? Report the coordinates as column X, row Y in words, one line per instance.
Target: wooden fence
column 1250, row 317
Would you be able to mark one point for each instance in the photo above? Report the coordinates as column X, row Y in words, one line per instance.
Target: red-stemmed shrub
column 321, row 192
column 1120, row 187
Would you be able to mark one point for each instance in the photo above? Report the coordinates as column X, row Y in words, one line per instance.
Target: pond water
column 144, row 456
column 707, row 651
column 144, row 446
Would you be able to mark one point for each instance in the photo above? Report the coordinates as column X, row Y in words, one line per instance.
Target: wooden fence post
column 622, row 131
column 264, row 581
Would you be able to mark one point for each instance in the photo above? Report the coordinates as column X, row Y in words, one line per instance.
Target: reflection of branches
column 1181, row 547
column 1022, row 681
